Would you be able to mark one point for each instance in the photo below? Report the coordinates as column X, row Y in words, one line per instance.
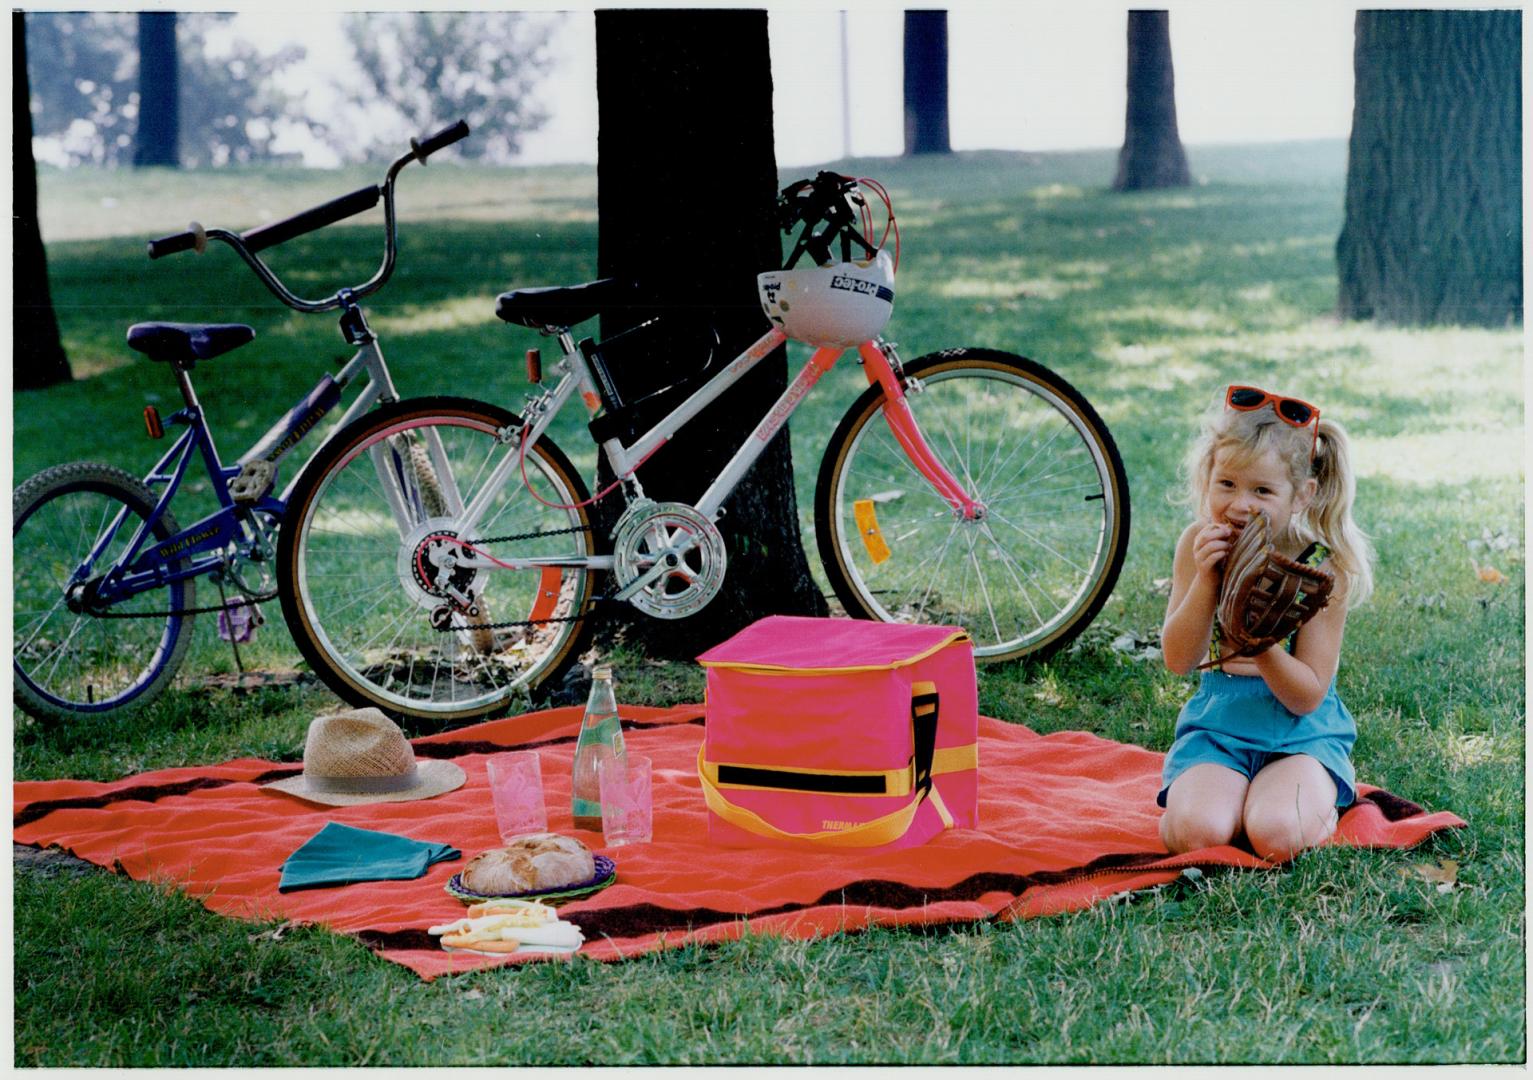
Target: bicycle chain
column 261, row 599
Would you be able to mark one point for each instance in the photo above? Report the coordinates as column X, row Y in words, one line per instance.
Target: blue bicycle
column 105, row 578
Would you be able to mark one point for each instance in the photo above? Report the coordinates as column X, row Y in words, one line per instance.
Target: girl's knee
column 1283, row 833
column 1194, row 829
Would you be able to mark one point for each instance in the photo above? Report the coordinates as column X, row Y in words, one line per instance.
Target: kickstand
column 223, row 602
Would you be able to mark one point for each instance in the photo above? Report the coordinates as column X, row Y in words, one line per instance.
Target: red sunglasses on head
column 1289, row 410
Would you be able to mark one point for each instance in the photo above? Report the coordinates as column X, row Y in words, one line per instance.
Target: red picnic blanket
column 1064, row 820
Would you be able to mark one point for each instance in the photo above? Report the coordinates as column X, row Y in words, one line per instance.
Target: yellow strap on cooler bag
column 879, row 831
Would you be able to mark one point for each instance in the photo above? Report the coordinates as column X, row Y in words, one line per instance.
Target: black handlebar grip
column 424, row 148
column 170, row 245
column 279, row 232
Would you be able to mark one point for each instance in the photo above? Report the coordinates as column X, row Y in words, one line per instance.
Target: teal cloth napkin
column 340, row 854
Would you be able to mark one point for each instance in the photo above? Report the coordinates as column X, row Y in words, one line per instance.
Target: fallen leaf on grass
column 1444, row 873
column 1488, row 574
column 1136, row 647
column 274, row 934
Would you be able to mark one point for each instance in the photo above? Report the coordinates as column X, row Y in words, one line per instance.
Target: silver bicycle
column 968, row 487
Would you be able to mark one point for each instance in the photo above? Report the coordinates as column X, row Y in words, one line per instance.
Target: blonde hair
column 1251, row 434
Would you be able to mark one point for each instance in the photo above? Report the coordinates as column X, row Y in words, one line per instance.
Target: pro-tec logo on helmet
column 866, row 288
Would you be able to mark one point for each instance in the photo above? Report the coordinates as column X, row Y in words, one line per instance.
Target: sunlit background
column 1022, row 76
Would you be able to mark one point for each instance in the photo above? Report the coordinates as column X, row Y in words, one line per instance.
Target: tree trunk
column 1152, row 154
column 926, row 129
column 1433, row 227
column 38, row 355
column 685, row 206
column 159, row 121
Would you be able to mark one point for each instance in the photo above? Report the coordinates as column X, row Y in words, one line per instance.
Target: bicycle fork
column 906, row 432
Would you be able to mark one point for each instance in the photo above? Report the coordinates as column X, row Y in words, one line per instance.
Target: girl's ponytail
column 1330, row 513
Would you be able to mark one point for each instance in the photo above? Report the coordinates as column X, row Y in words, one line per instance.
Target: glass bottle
column 601, row 738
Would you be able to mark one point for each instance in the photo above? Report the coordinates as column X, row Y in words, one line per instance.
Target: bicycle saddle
column 182, row 344
column 562, row 306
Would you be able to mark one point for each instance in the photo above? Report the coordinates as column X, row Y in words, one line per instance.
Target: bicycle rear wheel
column 361, row 568
column 72, row 658
column 1030, row 574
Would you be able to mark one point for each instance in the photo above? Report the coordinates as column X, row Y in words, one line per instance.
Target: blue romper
column 1235, row 721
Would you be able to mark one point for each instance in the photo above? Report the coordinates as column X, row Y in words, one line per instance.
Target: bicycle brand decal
column 165, row 551
column 847, row 283
column 790, row 399
column 754, row 353
column 296, row 433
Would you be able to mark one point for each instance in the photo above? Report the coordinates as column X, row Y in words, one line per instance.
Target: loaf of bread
column 539, row 861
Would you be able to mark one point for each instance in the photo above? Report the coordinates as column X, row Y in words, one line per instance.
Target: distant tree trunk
column 1152, row 154
column 38, row 355
column 159, row 120
column 1433, row 227
column 926, row 130
column 685, row 196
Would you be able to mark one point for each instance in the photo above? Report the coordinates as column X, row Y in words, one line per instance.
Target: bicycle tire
column 340, row 546
column 1027, row 598
column 70, row 665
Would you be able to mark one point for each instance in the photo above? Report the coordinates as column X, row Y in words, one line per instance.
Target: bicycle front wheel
column 1030, row 573
column 376, row 585
column 76, row 654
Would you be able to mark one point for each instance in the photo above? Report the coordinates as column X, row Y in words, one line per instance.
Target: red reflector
column 534, row 366
column 152, row 422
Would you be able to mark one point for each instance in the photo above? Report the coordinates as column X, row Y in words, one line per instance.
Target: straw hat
column 361, row 756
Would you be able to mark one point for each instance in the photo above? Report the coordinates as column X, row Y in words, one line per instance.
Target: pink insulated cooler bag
column 839, row 733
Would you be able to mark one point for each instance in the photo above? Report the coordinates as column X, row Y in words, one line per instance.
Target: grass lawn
column 1149, row 304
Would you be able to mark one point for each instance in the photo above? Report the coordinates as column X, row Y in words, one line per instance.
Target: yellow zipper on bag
column 778, row 669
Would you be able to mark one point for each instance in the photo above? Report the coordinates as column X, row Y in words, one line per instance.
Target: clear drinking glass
column 516, row 785
column 626, row 801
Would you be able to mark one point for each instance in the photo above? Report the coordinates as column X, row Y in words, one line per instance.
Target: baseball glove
column 1264, row 595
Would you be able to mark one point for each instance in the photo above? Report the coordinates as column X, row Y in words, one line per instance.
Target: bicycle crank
column 670, row 557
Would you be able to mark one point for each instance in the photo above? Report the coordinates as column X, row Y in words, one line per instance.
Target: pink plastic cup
column 516, row 786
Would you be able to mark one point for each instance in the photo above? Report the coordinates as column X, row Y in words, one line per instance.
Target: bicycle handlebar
column 247, row 244
column 170, row 245
column 827, row 199
column 424, row 148
column 279, row 232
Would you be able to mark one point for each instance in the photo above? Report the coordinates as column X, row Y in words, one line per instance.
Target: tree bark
column 1433, row 226
column 926, row 125
column 38, row 354
column 157, row 141
column 1152, row 154
column 685, row 208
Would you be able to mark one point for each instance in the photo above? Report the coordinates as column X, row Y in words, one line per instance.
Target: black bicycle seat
column 182, row 344
column 562, row 306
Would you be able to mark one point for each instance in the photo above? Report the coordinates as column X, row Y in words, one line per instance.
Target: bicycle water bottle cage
column 183, row 344
column 559, row 307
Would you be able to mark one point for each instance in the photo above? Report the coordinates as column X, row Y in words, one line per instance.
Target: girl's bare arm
column 1189, row 621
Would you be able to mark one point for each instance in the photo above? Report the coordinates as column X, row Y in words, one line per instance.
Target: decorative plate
column 606, row 874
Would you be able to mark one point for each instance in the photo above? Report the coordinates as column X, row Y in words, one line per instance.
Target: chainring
column 678, row 535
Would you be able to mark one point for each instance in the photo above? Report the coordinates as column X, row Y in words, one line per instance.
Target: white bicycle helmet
column 842, row 304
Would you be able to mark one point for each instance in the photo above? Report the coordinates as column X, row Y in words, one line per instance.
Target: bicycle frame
column 575, row 375
column 142, row 566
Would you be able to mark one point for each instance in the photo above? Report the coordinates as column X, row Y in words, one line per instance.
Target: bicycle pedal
column 253, row 482
column 239, row 622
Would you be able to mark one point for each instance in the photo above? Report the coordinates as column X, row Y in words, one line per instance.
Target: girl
column 1264, row 745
